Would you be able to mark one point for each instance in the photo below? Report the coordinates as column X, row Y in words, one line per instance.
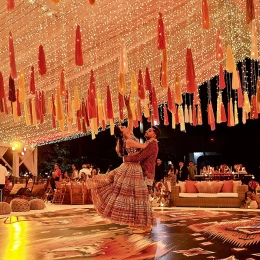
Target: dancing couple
column 122, row 195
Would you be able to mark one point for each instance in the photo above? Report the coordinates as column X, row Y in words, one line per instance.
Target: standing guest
column 182, row 172
column 172, row 175
column 192, row 171
column 57, row 172
column 159, row 170
column 83, row 177
column 75, row 172
column 88, row 170
column 3, row 178
column 83, row 169
column 66, row 177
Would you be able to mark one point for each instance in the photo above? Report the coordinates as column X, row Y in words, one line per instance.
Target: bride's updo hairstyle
column 120, row 147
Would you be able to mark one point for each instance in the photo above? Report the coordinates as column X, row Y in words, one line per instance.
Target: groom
column 147, row 158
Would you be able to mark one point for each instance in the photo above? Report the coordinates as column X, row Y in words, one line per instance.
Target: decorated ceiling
column 64, row 63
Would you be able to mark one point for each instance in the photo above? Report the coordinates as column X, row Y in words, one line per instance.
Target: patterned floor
column 180, row 234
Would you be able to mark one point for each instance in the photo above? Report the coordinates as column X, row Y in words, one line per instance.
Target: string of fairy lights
column 103, row 26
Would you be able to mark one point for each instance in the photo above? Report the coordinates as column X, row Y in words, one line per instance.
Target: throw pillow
column 190, row 187
column 17, row 187
column 227, row 186
column 182, row 185
column 235, row 185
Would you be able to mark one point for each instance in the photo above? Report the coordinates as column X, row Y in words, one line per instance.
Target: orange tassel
column 12, row 57
column 240, row 98
column 78, row 48
column 161, row 37
column 205, row 15
column 166, row 119
column 62, row 83
column 109, row 104
column 42, row 61
column 86, row 114
column 164, row 80
column 155, row 107
column 10, row 5
column 121, row 107
column 170, row 103
column 141, row 93
column 18, row 104
column 219, row 48
column 91, row 2
column 178, row 95
column 123, row 64
column 255, row 114
column 250, row 11
column 190, row 72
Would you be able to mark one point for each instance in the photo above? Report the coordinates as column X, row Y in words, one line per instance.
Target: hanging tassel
column 161, row 37
column 139, row 111
column 2, row 88
column 166, row 120
column 178, row 95
column 219, row 47
column 181, row 119
column 21, row 87
column 148, row 83
column 146, row 109
column 1, row 106
column 59, row 107
column 87, row 114
column 254, row 50
column 109, row 104
column 250, row 11
column 205, row 15
column 244, row 116
column 255, row 113
column 123, row 64
column 223, row 114
column 134, row 86
column 228, row 119
column 34, row 119
column 32, row 81
column 230, row 63
column 141, row 93
column 232, row 121
column 41, row 61
column 190, row 72
column 177, row 121
column 5, row 106
column 196, row 97
column 55, row 1
column 246, row 103
column 219, row 102
column 78, row 48
column 43, row 104
column 10, row 5
column 235, row 114
column 14, row 110
column 121, row 105
column 12, row 57
column 186, row 113
column 164, row 80
column 194, row 115
column 190, row 115
column 18, row 104
column 211, row 117
column 235, row 81
column 199, row 114
column 155, row 107
column 222, row 83
column 37, row 106
column 62, row 83
column 11, row 96
column 173, row 121
column 76, row 98
column 240, row 97
column 170, row 103
column 121, row 84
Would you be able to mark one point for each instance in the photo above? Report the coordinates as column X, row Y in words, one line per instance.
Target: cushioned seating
column 37, row 204
column 20, row 205
column 5, row 208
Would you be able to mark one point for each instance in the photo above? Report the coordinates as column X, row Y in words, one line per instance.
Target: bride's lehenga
column 122, row 195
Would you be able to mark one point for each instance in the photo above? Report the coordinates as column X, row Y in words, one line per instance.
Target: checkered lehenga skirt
column 122, row 196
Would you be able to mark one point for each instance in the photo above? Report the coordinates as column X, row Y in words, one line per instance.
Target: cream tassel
column 219, row 101
column 186, row 112
column 235, row 82
column 112, row 126
column 235, row 114
column 26, row 114
column 199, row 114
column 134, row 85
column 181, row 118
column 243, row 116
column 146, row 109
column 21, row 87
column 173, row 120
column 190, row 114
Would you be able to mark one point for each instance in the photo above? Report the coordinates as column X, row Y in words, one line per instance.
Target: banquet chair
column 59, row 192
column 77, row 193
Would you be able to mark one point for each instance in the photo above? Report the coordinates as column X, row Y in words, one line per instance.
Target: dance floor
column 79, row 233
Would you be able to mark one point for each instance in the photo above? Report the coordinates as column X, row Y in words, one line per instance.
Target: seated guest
column 66, row 177
column 75, row 172
column 83, row 177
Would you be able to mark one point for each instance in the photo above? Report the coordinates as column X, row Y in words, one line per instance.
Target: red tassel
column 170, row 103
column 219, row 48
column 222, row 83
column 2, row 88
column 79, row 113
column 62, row 83
column 255, row 114
column 11, row 96
column 205, row 15
column 190, row 73
column 240, row 98
column 148, row 83
column 30, row 109
column 250, row 11
column 155, row 107
column 83, row 110
column 194, row 116
column 78, row 123
column 43, row 104
column 1, row 106
column 38, row 117
column 12, row 57
column 10, row 5
column 32, row 81
column 18, row 104
column 223, row 114
column 177, row 121
column 139, row 109
column 228, row 117
column 41, row 61
column 78, row 48
column 86, row 115
column 109, row 104
column 53, row 106
column 92, row 85
column 141, row 93
column 67, row 101
column 121, row 106
column 211, row 117
column 166, row 119
column 161, row 37
column 92, row 97
column 41, row 108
